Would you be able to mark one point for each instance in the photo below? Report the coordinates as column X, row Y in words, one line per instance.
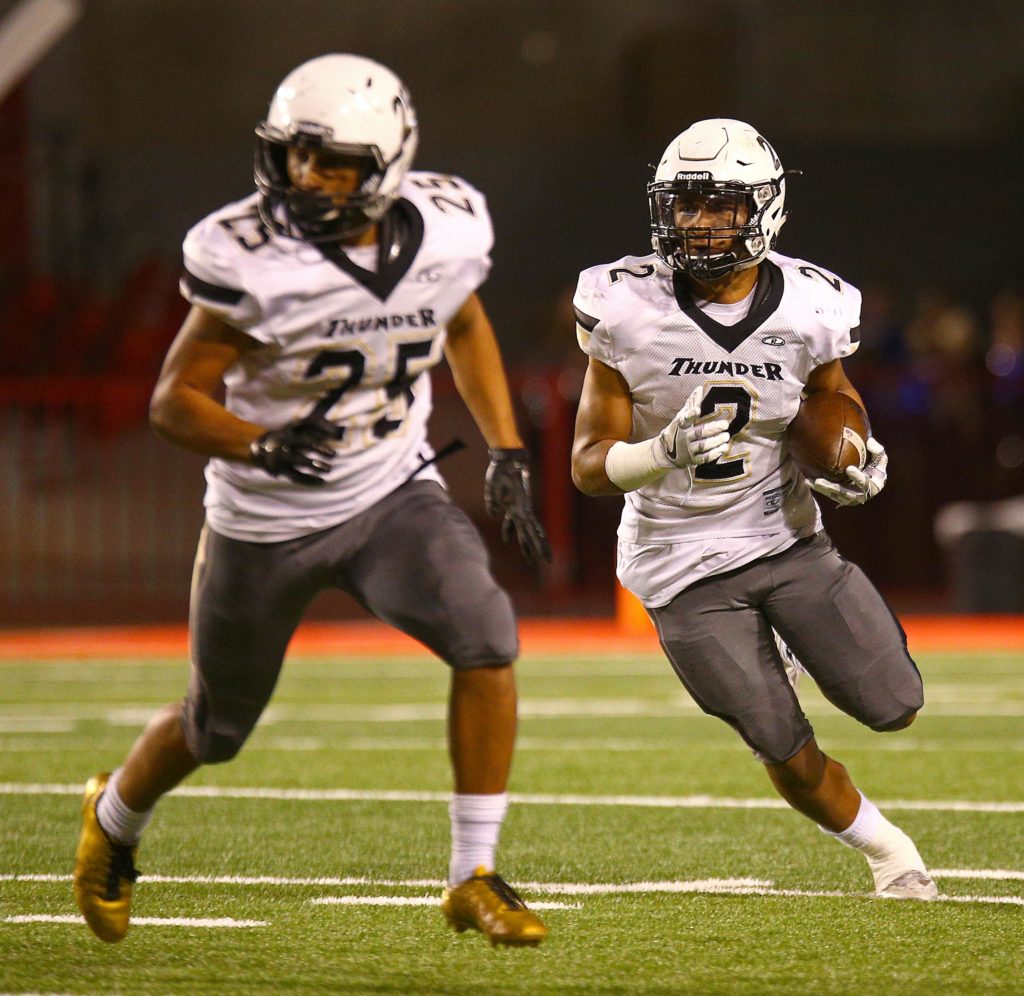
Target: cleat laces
column 503, row 891
column 121, row 867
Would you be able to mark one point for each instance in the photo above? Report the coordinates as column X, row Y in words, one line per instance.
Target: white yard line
column 814, row 893
column 417, row 901
column 548, row 888
column 532, row 799
column 36, row 724
column 142, row 921
column 619, row 746
column 999, row 874
column 711, row 886
column 673, row 706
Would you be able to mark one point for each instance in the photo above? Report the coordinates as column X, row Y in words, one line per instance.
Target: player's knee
column 900, row 723
column 213, row 737
column 487, row 636
column 218, row 748
column 496, row 655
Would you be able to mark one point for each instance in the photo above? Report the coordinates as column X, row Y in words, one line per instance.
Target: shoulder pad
column 453, row 204
column 215, row 254
column 835, row 302
column 456, row 222
column 607, row 297
column 828, row 307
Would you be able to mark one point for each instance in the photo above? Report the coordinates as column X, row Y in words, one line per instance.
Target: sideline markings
column 529, row 799
column 142, row 921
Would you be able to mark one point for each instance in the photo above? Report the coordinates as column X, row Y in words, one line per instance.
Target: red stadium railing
column 98, row 517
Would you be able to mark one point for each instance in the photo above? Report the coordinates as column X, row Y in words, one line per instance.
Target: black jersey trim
column 586, row 322
column 767, row 296
column 403, row 223
column 212, row 292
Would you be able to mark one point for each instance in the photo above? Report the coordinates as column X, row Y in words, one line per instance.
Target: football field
column 642, row 830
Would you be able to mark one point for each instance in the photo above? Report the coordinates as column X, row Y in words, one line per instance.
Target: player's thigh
column 247, row 599
column 845, row 634
column 424, row 570
column 723, row 650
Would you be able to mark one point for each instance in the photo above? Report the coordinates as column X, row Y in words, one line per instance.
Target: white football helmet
column 345, row 104
column 721, row 169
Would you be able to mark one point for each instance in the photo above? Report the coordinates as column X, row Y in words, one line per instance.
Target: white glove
column 686, row 441
column 866, row 483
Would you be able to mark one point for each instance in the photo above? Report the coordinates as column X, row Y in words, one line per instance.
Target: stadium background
column 907, row 119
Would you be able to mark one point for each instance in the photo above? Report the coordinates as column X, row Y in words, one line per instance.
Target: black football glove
column 300, row 451
column 507, row 497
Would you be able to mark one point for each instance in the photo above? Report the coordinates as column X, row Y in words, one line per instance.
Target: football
column 828, row 435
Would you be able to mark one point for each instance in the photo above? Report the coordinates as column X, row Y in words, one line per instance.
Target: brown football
column 828, row 434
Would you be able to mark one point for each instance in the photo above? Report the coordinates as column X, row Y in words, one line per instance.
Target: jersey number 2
column 721, row 396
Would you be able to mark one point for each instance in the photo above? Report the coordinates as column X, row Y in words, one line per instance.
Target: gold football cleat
column 487, row 903
column 104, row 871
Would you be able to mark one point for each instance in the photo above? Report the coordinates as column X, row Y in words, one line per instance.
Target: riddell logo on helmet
column 702, row 174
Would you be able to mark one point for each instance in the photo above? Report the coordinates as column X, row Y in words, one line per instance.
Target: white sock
column 888, row 850
column 121, row 824
column 476, row 824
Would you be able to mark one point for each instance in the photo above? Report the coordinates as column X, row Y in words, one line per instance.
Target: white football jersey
column 350, row 344
column 635, row 316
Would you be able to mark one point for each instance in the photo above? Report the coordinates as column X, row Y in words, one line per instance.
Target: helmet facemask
column 343, row 106
column 308, row 214
column 717, row 199
column 734, row 240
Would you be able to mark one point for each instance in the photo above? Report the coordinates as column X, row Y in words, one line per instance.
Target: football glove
column 685, row 441
column 300, row 451
column 507, row 497
column 866, row 483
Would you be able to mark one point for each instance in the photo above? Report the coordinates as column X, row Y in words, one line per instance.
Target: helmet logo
column 702, row 174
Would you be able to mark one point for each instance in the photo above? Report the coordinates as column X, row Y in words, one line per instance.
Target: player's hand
column 507, row 497
column 688, row 439
column 866, row 483
column 300, row 451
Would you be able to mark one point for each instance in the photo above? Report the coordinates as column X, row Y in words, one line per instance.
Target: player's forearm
column 589, row 469
column 480, row 380
column 197, row 422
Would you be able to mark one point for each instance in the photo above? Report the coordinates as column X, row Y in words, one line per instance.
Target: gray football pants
column 718, row 636
column 414, row 560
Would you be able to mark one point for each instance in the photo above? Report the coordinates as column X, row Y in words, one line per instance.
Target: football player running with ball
column 699, row 354
column 319, row 304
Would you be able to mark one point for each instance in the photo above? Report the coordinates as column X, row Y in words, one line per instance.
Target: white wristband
column 632, row 465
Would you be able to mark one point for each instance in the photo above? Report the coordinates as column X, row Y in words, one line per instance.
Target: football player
column 319, row 305
column 699, row 354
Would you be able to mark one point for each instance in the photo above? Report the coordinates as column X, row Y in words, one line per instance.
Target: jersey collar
column 406, row 225
column 767, row 296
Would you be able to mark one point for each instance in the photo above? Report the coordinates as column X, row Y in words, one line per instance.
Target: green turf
column 61, row 721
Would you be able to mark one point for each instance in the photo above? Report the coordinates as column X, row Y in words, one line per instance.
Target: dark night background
column 907, row 118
